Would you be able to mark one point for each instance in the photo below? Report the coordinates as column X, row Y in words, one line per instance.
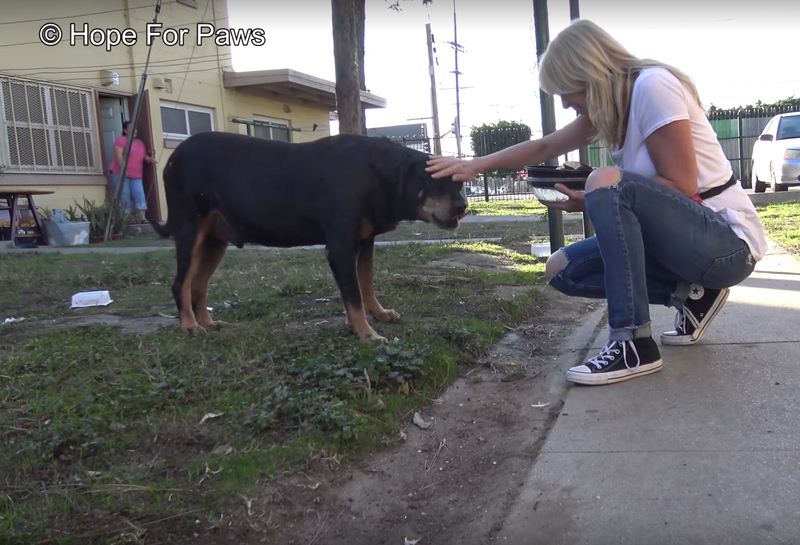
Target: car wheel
column 776, row 187
column 757, row 185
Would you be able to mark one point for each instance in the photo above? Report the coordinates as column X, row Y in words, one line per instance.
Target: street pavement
column 704, row 452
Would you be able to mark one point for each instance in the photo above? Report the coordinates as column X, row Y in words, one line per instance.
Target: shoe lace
column 610, row 352
column 683, row 319
column 680, row 322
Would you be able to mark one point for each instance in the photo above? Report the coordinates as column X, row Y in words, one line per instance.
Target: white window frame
column 186, row 109
column 52, row 129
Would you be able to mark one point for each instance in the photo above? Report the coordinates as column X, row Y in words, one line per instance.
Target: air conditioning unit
column 109, row 77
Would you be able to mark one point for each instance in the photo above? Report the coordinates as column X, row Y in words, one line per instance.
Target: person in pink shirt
column 132, row 197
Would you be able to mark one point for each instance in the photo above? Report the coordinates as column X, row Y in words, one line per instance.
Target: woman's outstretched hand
column 575, row 202
column 461, row 170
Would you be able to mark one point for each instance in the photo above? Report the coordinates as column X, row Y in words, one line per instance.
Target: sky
column 737, row 52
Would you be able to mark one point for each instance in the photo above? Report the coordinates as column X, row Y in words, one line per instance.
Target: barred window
column 46, row 128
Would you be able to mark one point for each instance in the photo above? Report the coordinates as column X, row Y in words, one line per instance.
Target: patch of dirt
column 135, row 326
column 126, row 324
column 505, row 293
column 451, row 483
column 474, row 262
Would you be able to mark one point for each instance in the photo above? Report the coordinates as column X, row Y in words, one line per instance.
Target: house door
column 113, row 110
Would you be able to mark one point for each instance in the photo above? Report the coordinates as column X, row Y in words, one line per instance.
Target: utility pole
column 583, row 154
column 458, row 48
column 126, row 153
column 437, row 139
column 575, row 13
column 555, row 219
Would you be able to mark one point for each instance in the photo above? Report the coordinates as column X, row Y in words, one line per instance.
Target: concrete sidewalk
column 705, row 451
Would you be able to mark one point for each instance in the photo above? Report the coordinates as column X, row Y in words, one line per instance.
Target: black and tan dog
column 340, row 191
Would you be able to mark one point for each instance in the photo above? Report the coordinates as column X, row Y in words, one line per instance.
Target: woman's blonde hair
column 584, row 57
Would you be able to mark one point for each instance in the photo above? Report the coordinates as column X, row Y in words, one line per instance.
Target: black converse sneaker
column 618, row 361
column 692, row 320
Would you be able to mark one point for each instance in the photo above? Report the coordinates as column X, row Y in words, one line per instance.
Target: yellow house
column 70, row 73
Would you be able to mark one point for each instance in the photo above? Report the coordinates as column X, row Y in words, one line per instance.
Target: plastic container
column 91, row 299
column 72, row 233
column 542, row 180
column 547, row 194
column 540, row 249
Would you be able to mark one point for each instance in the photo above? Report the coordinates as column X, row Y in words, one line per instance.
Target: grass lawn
column 782, row 223
column 109, row 435
column 506, row 208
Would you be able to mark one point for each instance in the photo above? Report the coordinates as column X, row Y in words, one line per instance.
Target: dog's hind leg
column 365, row 282
column 212, row 251
column 188, row 265
column 183, row 252
column 342, row 260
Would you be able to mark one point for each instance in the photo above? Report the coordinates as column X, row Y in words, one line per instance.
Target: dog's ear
column 392, row 163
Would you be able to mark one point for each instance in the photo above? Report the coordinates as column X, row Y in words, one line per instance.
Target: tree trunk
column 360, row 17
column 348, row 54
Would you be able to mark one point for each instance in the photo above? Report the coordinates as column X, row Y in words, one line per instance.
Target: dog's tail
column 163, row 229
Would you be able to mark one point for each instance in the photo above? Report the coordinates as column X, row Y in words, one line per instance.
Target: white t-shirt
column 659, row 98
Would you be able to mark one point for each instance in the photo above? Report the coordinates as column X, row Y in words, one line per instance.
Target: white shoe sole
column 599, row 379
column 686, row 340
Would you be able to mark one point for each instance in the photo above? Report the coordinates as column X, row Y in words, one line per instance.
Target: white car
column 776, row 154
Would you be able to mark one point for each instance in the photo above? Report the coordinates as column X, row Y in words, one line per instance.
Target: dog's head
column 420, row 197
column 440, row 201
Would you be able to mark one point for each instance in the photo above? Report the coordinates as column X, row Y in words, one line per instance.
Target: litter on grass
column 12, row 320
column 210, row 416
column 420, row 422
column 91, row 299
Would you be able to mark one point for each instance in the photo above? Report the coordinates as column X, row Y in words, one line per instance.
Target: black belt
column 714, row 191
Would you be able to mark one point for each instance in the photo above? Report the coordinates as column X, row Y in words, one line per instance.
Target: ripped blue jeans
column 651, row 243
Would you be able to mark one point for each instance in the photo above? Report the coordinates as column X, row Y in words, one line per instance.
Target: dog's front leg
column 364, row 267
column 343, row 264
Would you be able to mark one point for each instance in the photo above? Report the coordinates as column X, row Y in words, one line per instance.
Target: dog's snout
column 460, row 206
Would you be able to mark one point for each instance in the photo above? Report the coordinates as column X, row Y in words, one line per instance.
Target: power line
column 194, row 48
column 171, row 73
column 47, row 19
column 76, row 70
column 183, row 81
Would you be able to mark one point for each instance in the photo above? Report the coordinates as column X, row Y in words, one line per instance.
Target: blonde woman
column 674, row 227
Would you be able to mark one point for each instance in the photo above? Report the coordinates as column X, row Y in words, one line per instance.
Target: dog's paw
column 193, row 329
column 372, row 335
column 214, row 325
column 386, row 315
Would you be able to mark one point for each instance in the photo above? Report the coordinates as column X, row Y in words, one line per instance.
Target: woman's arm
column 672, row 152
column 118, row 155
column 532, row 152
